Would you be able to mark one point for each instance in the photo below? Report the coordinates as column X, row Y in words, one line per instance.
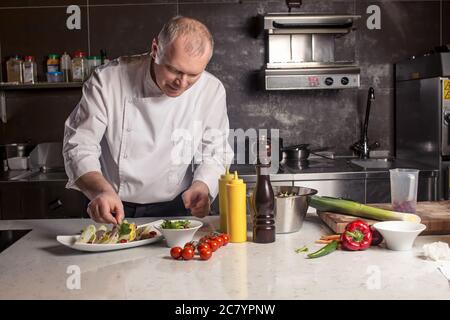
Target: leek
column 359, row 210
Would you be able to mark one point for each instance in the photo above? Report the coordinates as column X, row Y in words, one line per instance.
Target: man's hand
column 196, row 198
column 101, row 207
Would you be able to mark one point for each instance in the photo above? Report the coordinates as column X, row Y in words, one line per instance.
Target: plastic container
column 53, row 62
column 66, row 66
column 56, row 76
column 93, row 62
column 223, row 206
column 14, row 69
column 404, row 183
column 80, row 66
column 237, row 210
column 29, row 70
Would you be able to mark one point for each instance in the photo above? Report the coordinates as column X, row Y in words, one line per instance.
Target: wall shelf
column 39, row 85
column 6, row 86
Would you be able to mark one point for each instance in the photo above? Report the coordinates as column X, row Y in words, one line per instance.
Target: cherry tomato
column 123, row 241
column 214, row 245
column 202, row 246
column 189, row 244
column 175, row 252
column 226, row 238
column 219, row 240
column 205, row 254
column 187, row 253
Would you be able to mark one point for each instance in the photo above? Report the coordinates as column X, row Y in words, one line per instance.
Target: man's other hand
column 102, row 207
column 196, row 198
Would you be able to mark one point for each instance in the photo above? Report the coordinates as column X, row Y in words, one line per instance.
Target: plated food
column 127, row 235
column 123, row 233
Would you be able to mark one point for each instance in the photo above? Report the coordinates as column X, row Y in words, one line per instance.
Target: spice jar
column 79, row 66
column 53, row 62
column 14, row 69
column 29, row 70
column 94, row 62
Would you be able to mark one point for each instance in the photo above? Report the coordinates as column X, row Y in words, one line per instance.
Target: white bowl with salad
column 178, row 232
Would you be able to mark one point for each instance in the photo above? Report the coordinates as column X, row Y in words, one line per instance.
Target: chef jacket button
column 129, row 129
column 125, row 156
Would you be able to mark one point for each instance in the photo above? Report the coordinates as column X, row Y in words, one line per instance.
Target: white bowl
column 178, row 237
column 399, row 235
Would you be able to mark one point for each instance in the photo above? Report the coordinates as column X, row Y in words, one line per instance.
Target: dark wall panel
column 321, row 118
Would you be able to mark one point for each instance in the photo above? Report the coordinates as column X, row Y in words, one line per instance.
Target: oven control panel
column 320, row 81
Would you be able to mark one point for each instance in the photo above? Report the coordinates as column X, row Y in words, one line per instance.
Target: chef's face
column 176, row 70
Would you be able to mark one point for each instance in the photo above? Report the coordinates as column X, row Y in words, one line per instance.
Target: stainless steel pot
column 290, row 211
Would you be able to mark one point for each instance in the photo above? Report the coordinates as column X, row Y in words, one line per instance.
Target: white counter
column 36, row 267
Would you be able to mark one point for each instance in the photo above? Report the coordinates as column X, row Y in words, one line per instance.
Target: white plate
column 69, row 241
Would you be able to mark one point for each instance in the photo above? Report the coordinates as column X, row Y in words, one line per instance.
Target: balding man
column 129, row 144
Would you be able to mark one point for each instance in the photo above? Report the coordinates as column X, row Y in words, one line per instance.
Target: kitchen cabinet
column 38, row 200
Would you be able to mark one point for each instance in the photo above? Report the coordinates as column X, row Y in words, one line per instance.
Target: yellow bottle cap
column 227, row 175
column 236, row 179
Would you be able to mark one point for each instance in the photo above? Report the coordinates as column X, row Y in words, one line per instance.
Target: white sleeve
column 216, row 151
column 83, row 131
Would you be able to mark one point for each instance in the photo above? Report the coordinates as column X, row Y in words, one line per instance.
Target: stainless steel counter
column 339, row 168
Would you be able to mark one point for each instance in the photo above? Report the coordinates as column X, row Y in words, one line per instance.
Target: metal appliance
column 301, row 52
column 422, row 115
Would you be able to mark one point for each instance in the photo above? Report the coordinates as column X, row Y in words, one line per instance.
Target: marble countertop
column 38, row 267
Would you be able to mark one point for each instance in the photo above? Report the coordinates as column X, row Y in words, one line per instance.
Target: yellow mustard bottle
column 224, row 179
column 237, row 209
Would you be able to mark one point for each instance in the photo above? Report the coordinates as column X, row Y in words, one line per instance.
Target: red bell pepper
column 357, row 236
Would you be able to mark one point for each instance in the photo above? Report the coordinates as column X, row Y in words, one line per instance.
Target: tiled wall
column 321, row 118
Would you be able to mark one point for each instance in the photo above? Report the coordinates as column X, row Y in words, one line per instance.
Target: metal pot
column 298, row 152
column 12, row 150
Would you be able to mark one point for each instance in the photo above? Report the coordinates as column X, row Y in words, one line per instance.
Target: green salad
column 176, row 224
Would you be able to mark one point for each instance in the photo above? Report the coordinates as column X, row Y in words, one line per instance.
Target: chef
column 149, row 136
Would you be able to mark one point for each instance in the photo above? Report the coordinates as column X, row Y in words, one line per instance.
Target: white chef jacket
column 142, row 140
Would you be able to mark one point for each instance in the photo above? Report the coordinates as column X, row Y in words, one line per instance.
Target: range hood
column 301, row 52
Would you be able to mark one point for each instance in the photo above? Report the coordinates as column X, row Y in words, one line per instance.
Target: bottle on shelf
column 93, row 62
column 14, row 69
column 29, row 70
column 263, row 203
column 66, row 66
column 104, row 56
column 223, row 205
column 53, row 62
column 79, row 66
column 237, row 209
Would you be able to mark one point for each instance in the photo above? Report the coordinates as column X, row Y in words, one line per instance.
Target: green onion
column 357, row 209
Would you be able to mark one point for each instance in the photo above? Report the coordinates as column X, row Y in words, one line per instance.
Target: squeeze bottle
column 237, row 209
column 224, row 179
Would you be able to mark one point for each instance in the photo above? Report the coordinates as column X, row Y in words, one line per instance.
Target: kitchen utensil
column 399, row 235
column 178, row 237
column 290, row 211
column 300, row 152
column 404, row 184
column 433, row 214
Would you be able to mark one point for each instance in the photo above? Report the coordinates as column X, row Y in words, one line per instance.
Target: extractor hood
column 301, row 52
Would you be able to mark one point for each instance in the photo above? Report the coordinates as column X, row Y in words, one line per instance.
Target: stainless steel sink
column 375, row 163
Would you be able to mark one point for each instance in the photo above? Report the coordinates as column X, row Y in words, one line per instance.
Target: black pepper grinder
column 263, row 202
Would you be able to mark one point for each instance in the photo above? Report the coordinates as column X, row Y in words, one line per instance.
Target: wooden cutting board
column 434, row 214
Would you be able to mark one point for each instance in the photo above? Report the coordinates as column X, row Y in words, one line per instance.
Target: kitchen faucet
column 362, row 147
